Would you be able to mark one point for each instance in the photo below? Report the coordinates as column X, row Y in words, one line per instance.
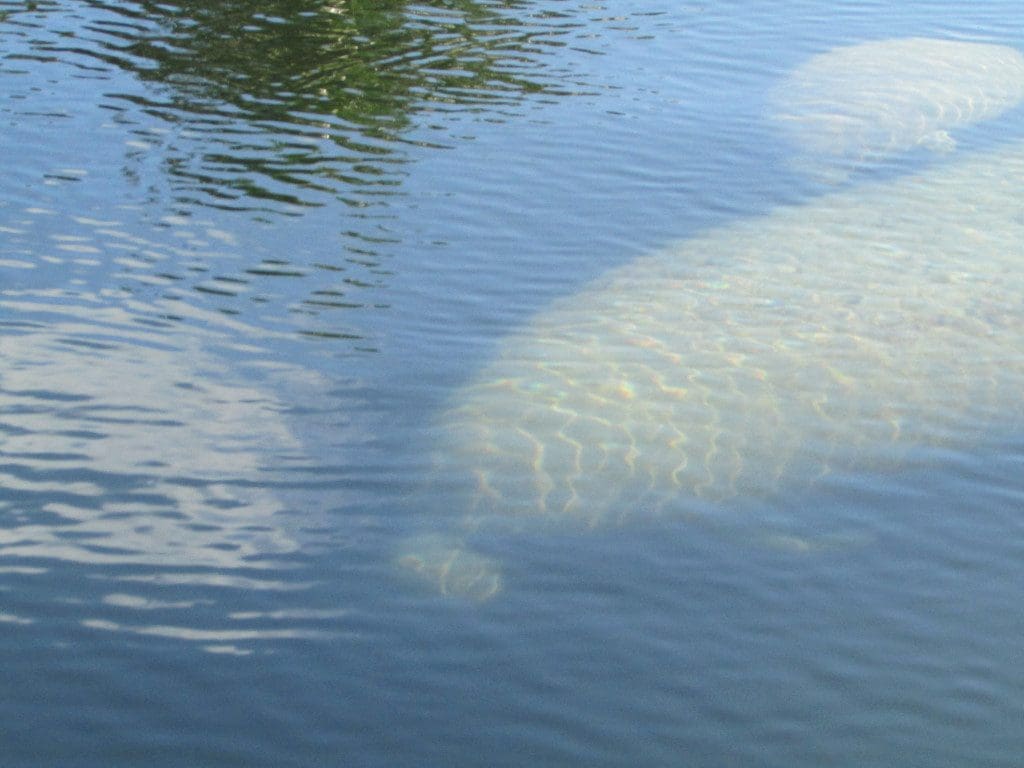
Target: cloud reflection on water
column 132, row 443
column 143, row 444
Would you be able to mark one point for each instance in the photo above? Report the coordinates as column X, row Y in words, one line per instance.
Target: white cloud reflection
column 10, row 618
column 214, row 579
column 128, row 439
column 208, row 635
column 139, row 603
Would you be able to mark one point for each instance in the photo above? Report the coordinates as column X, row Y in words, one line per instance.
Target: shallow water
column 249, row 252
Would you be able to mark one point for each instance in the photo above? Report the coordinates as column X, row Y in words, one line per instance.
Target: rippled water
column 251, row 252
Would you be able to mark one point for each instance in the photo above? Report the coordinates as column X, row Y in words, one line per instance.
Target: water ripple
column 281, row 108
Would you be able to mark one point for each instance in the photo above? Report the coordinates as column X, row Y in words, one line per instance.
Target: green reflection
column 300, row 103
column 265, row 108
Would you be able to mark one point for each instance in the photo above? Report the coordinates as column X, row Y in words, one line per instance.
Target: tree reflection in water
column 281, row 105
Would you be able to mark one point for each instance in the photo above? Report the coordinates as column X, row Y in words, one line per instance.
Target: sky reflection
column 130, row 442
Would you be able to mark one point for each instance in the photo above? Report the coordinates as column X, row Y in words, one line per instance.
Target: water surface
column 249, row 251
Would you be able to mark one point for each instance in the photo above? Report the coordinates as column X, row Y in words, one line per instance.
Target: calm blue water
column 248, row 251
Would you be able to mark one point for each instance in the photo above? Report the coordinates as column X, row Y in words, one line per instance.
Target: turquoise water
column 249, row 252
